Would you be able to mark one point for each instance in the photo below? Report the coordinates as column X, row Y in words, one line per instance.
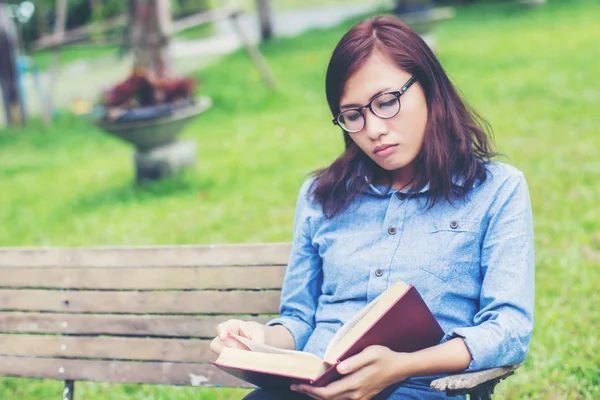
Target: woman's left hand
column 367, row 374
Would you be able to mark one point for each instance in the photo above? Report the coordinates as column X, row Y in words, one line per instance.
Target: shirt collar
column 383, row 190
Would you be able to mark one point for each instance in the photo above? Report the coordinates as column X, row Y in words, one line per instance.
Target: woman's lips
column 384, row 150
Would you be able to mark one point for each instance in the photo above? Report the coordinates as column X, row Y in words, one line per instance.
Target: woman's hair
column 455, row 146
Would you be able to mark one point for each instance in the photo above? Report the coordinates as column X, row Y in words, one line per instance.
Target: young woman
column 416, row 197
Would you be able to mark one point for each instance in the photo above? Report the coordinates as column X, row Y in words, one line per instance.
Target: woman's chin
column 393, row 165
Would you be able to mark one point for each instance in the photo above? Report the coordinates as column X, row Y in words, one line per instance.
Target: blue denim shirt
column 472, row 261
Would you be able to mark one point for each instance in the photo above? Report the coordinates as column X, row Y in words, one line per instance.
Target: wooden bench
column 142, row 314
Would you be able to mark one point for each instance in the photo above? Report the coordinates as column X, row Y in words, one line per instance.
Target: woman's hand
column 248, row 329
column 367, row 374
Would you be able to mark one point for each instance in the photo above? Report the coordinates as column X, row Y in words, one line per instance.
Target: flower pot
column 146, row 132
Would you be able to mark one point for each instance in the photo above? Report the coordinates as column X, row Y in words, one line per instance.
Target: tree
column 264, row 15
column 152, row 80
column 11, row 95
column 149, row 36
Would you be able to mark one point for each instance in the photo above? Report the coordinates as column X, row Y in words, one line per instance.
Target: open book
column 398, row 319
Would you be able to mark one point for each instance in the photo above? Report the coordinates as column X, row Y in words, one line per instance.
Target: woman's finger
column 216, row 345
column 233, row 343
column 366, row 357
column 232, row 325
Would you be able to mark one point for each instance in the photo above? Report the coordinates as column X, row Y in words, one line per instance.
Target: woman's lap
column 266, row 394
column 401, row 393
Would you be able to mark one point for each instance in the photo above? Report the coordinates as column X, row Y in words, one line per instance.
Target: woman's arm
column 279, row 336
column 299, row 294
column 502, row 328
column 448, row 357
column 301, row 287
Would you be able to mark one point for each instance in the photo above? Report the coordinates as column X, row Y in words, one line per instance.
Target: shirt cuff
column 485, row 351
column 300, row 330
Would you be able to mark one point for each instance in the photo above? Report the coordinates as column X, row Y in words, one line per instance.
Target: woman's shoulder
column 306, row 198
column 504, row 184
column 306, row 192
column 499, row 173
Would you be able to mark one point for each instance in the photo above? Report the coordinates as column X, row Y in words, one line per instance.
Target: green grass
column 533, row 74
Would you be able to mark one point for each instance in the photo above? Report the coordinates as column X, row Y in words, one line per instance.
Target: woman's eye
column 352, row 117
column 387, row 104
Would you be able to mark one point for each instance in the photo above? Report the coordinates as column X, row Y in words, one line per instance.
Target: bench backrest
column 130, row 314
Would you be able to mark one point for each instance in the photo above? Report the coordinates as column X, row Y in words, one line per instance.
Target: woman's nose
column 374, row 126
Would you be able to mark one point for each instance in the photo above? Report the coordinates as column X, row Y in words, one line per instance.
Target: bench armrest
column 467, row 382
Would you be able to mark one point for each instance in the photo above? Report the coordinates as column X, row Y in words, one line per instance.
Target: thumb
column 356, row 362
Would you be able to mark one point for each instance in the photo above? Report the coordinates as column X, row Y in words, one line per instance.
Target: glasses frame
column 397, row 93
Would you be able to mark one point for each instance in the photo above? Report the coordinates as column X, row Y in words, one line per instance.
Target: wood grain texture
column 248, row 277
column 206, row 302
column 470, row 380
column 151, row 256
column 140, row 325
column 114, row 348
column 118, row 371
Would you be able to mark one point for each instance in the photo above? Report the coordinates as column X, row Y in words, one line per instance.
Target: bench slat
column 141, row 325
column 470, row 380
column 205, row 302
column 118, row 371
column 114, row 348
column 144, row 278
column 155, row 256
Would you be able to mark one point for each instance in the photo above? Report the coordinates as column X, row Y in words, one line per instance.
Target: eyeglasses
column 386, row 105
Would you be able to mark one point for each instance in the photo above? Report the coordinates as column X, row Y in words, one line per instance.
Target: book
column 398, row 319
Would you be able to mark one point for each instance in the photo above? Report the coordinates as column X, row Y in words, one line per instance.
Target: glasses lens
column 386, row 106
column 351, row 121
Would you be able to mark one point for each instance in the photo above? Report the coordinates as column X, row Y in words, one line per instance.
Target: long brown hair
column 456, row 145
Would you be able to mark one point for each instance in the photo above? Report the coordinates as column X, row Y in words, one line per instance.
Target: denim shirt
column 471, row 260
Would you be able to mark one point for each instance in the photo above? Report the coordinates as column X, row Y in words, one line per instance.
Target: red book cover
column 407, row 326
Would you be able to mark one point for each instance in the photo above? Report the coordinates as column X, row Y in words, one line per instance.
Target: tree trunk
column 264, row 14
column 40, row 20
column 60, row 25
column 13, row 105
column 149, row 36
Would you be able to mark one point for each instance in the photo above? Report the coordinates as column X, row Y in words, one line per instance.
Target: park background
column 533, row 73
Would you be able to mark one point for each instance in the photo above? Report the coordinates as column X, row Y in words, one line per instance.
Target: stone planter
column 154, row 134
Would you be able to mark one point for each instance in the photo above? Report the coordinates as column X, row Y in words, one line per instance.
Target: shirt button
column 378, row 272
column 453, row 224
column 392, row 230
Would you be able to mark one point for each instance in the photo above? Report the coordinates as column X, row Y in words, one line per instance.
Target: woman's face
column 392, row 143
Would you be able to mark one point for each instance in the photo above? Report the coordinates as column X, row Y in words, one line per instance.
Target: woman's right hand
column 248, row 329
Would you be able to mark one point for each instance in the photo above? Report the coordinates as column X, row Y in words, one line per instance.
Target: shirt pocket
column 454, row 248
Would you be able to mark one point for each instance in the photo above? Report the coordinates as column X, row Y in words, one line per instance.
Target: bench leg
column 482, row 393
column 68, row 393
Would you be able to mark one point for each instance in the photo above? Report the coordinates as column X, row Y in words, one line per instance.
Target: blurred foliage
column 80, row 12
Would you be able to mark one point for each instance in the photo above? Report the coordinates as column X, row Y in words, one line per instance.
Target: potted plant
column 152, row 105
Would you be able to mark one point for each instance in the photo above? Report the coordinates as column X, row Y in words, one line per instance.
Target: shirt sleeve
column 303, row 278
column 504, row 324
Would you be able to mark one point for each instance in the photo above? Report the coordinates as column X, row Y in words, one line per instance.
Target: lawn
column 535, row 75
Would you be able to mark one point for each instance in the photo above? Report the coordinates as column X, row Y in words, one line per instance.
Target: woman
column 413, row 197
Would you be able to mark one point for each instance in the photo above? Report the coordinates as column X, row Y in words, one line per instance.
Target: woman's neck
column 401, row 178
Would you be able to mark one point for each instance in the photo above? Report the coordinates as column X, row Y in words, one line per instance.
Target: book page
column 263, row 348
column 349, row 325
column 282, row 364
